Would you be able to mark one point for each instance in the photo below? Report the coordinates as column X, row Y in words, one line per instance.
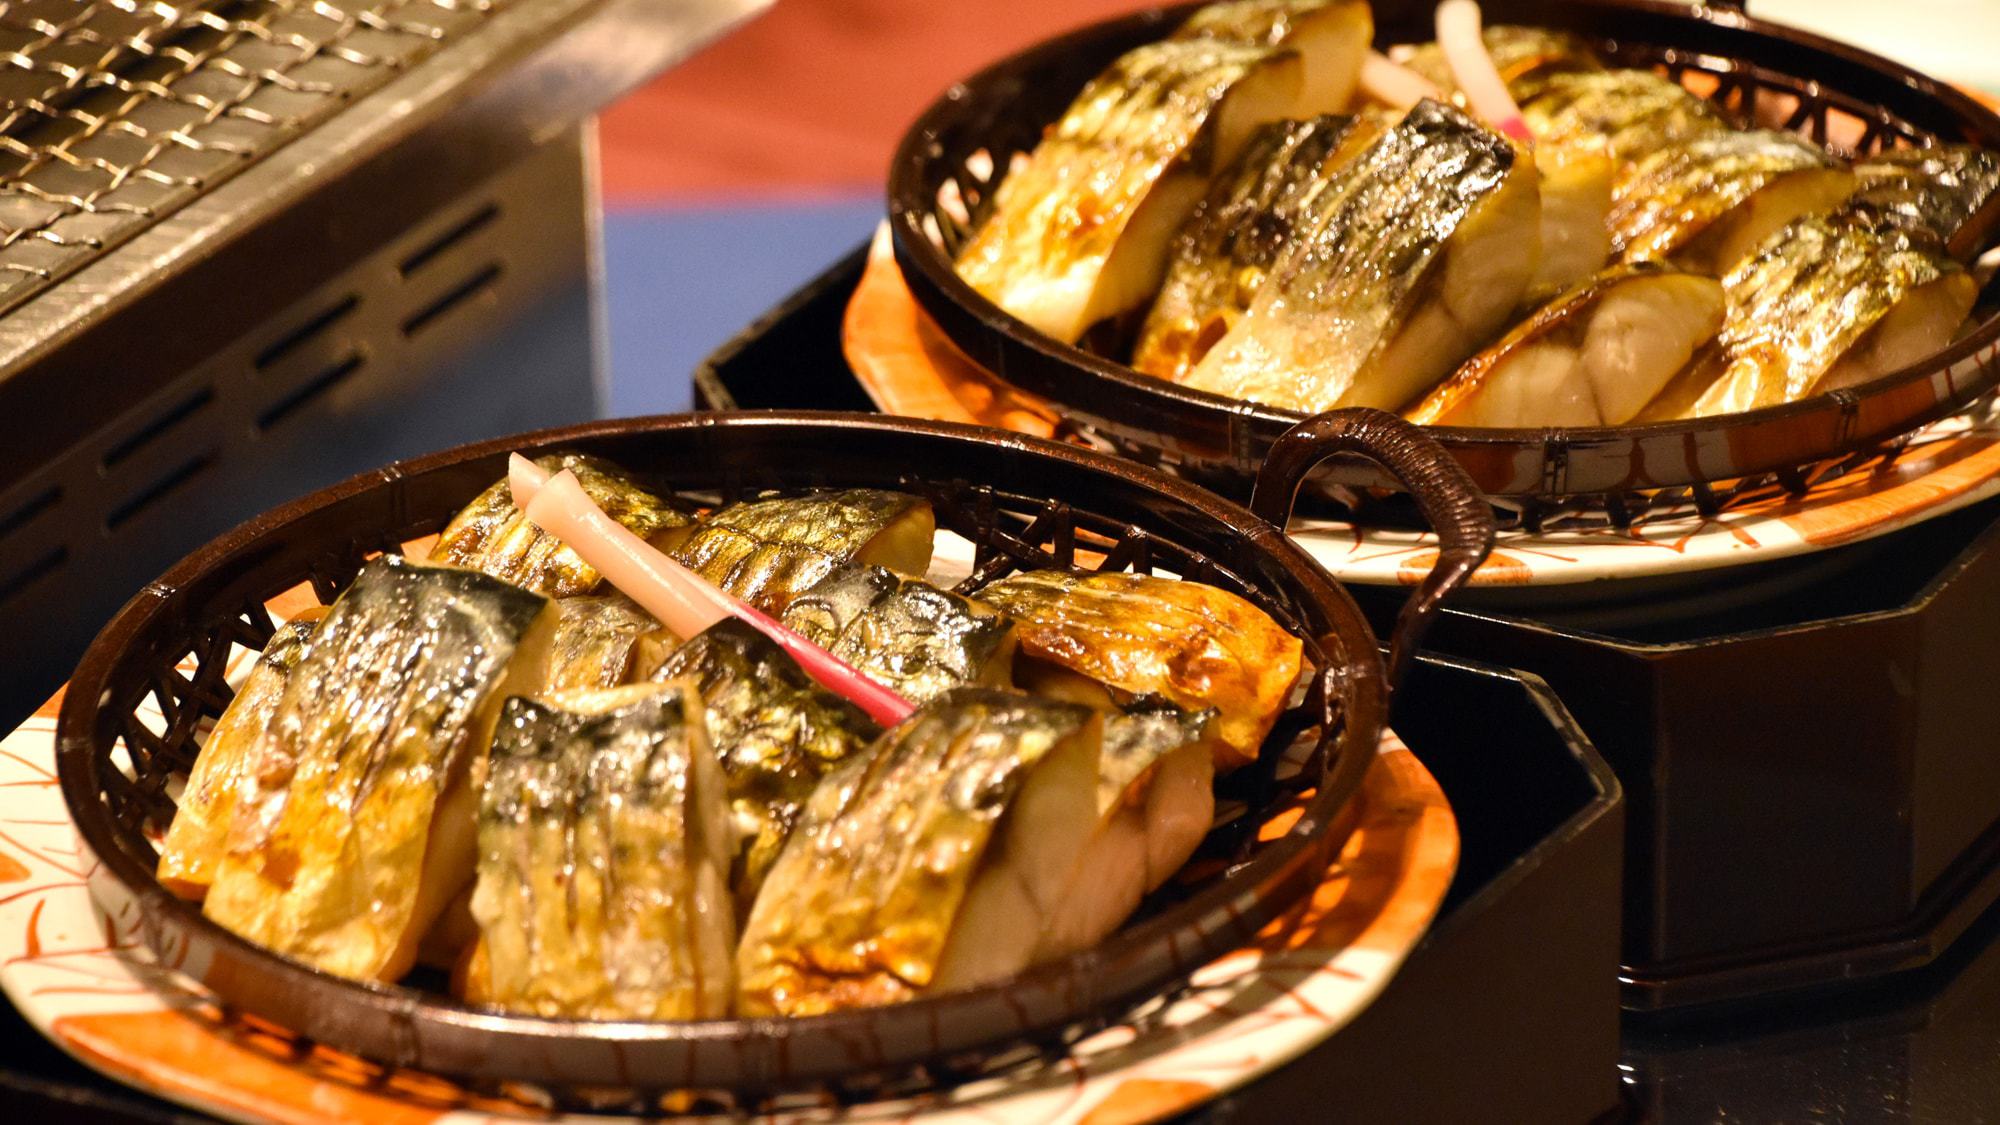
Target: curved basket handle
column 1450, row 502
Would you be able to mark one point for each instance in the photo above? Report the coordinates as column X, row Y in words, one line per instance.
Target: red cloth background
column 809, row 98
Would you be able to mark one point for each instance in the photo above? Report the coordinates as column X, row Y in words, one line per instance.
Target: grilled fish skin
column 1595, row 356
column 928, row 862
column 222, row 772
column 769, row 551
column 1428, row 243
column 1705, row 201
column 1950, row 192
column 596, row 641
column 1192, row 644
column 492, row 536
column 1331, row 38
column 1829, row 301
column 776, row 733
column 1526, row 57
column 1255, row 211
column 604, row 846
column 1627, row 113
column 905, row 633
column 1079, row 232
column 360, row 828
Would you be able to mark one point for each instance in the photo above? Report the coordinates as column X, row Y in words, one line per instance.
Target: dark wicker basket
column 169, row 648
column 1851, row 100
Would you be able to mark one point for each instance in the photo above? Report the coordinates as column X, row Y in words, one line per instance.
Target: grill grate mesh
column 113, row 113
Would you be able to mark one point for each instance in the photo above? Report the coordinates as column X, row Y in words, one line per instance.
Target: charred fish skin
column 359, row 830
column 866, row 897
column 1950, row 192
column 1669, row 203
column 1256, row 209
column 603, row 846
column 595, row 641
column 1813, row 293
column 1192, row 644
column 1426, row 245
column 1079, row 232
column 769, row 551
column 904, row 633
column 494, row 537
column 1594, row 356
column 776, row 732
column 224, row 770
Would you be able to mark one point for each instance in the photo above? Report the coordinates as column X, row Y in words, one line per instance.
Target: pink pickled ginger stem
column 685, row 602
column 524, row 479
column 1462, row 39
column 1394, row 84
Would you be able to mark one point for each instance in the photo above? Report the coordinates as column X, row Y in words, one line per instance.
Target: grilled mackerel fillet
column 360, row 827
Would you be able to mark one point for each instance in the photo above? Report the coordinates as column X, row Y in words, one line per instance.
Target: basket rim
column 980, row 327
column 79, row 736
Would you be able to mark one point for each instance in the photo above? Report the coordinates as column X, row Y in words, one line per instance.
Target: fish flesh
column 905, row 633
column 775, row 731
column 1526, row 58
column 1256, row 210
column 222, row 771
column 1428, row 243
column 1155, row 803
column 1331, row 38
column 604, row 847
column 1829, row 301
column 769, row 551
column 492, row 536
column 930, row 861
column 1950, row 192
column 1626, row 113
column 1079, row 232
column 359, row 829
column 1140, row 635
column 1593, row 357
column 1706, row 201
column 1576, row 185
column 597, row 641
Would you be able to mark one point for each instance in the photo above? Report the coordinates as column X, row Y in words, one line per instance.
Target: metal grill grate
column 115, row 112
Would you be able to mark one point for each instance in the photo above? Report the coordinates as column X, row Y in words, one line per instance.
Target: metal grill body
column 249, row 247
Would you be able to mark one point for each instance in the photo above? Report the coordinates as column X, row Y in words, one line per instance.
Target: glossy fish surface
column 1593, row 357
column 905, row 633
column 769, row 551
column 1256, row 210
column 1950, row 192
column 1526, row 58
column 604, row 848
column 596, row 640
column 1329, row 36
column 1707, row 199
column 1192, row 644
column 1627, row 113
column 360, row 826
column 223, row 771
column 927, row 862
column 1829, row 301
column 492, row 536
column 1079, row 232
column 776, row 734
column 1428, row 242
